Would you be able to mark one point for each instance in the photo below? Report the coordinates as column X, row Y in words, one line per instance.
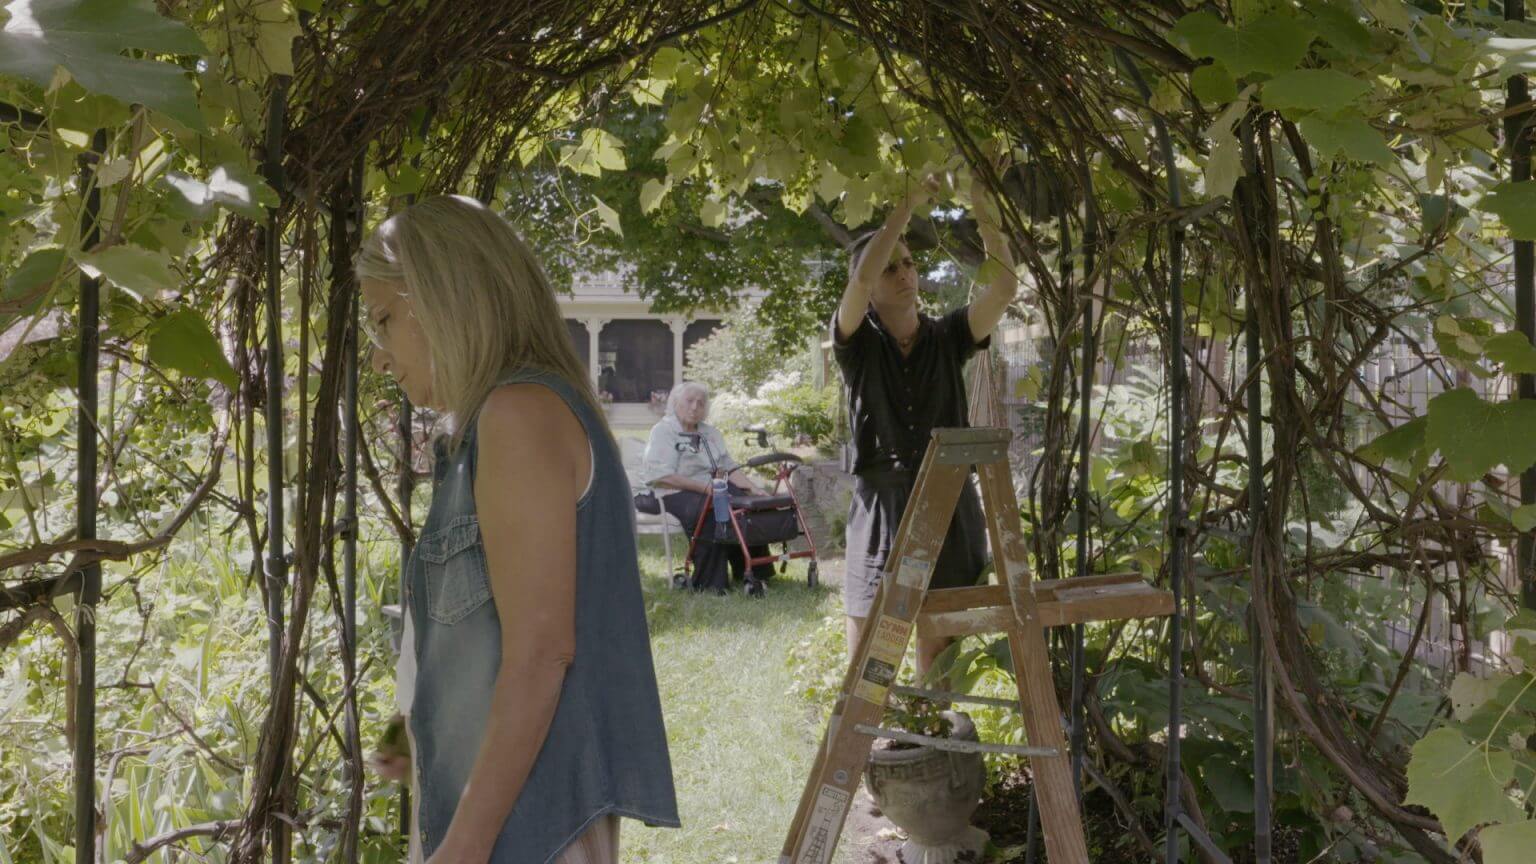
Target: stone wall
column 824, row 490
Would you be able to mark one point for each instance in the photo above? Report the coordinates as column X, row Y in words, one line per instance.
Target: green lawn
column 741, row 735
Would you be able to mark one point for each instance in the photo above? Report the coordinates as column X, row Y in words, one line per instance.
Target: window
column 634, row 360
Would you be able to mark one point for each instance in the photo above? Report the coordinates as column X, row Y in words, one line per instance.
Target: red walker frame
column 787, row 463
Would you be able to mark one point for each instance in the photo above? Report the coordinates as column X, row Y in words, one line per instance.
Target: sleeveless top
column 606, row 751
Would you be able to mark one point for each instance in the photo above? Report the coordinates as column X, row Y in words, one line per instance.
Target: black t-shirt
column 895, row 402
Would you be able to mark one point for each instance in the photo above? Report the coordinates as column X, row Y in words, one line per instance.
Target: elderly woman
column 681, row 475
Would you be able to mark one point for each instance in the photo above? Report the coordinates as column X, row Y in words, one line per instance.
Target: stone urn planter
column 931, row 794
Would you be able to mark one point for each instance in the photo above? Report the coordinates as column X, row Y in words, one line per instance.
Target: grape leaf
column 1513, row 351
column 1462, row 785
column 87, row 37
column 30, row 282
column 229, row 185
column 1474, row 436
column 1515, row 205
column 133, row 268
column 609, row 217
column 1509, row 843
column 1213, row 83
column 182, row 341
column 276, row 28
column 599, row 150
column 1230, row 785
column 652, row 192
column 1271, row 44
column 1469, row 692
column 1224, row 165
column 1400, row 444
column 665, row 61
column 712, row 212
column 1339, row 27
column 1303, row 90
column 1350, row 135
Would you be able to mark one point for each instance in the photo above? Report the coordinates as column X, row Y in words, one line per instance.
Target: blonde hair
column 682, row 390
column 483, row 302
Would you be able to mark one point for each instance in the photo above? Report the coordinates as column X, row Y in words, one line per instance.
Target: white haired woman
column 682, row 476
column 526, row 671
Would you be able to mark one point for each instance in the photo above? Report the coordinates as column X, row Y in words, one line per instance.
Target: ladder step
column 988, row 609
column 952, row 745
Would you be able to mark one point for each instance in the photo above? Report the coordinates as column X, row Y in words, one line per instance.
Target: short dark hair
column 857, row 245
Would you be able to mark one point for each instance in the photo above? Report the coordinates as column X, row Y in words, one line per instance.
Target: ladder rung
column 952, row 745
column 947, row 696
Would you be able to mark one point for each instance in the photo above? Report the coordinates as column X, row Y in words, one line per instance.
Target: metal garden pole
column 1174, row 818
column 277, row 561
column 1263, row 684
column 85, row 504
column 1517, row 138
column 1032, row 841
column 1084, row 436
column 405, row 483
column 348, row 219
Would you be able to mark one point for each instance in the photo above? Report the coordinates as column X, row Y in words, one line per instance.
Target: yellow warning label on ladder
column 885, row 652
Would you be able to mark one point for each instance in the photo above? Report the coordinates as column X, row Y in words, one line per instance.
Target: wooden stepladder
column 1019, row 607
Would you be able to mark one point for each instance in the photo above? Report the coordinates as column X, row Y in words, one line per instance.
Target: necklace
column 908, row 342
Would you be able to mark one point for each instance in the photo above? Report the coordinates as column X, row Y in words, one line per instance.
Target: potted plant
column 927, row 792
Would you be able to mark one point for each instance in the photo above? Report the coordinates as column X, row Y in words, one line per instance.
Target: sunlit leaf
column 87, row 37
column 652, row 193
column 141, row 271
column 609, row 217
column 712, row 212
column 231, row 186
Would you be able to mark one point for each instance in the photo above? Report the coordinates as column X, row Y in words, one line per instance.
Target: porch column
column 678, row 326
column 594, row 332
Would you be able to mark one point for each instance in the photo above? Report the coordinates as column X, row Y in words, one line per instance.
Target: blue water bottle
column 721, row 493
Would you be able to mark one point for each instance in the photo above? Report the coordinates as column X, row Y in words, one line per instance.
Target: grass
column 741, row 735
column 731, row 671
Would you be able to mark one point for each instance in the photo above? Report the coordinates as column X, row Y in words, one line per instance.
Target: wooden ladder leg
column 877, row 659
column 1055, row 794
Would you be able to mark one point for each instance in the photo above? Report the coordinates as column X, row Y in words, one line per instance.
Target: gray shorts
column 879, row 499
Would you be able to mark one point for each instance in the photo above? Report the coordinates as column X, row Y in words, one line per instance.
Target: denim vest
column 606, row 751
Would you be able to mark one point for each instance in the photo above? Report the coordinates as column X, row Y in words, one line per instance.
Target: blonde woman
column 533, row 713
